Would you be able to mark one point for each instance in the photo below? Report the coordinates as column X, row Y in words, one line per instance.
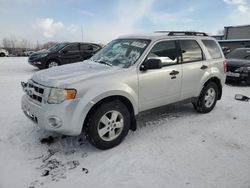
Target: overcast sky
column 103, row 20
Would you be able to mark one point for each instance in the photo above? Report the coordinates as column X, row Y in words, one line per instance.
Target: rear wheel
column 108, row 124
column 207, row 99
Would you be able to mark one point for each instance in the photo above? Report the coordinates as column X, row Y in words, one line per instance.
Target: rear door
column 86, row 51
column 194, row 67
column 159, row 87
column 71, row 54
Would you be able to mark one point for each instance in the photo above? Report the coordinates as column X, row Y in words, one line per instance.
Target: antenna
column 82, row 33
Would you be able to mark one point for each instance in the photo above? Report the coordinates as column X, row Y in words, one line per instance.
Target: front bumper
column 41, row 114
column 37, row 63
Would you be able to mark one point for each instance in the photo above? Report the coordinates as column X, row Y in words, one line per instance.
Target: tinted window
column 212, row 48
column 86, row 47
column 191, row 51
column 72, row 48
column 57, row 47
column 239, row 54
column 165, row 51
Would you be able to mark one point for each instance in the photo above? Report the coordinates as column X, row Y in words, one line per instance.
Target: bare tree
column 48, row 45
column 6, row 43
column 13, row 42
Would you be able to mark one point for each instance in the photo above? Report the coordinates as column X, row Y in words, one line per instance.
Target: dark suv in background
column 238, row 65
column 63, row 53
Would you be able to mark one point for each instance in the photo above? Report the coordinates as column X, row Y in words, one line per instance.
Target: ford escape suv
column 102, row 96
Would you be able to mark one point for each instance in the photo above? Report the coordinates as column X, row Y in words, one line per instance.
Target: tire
column 108, row 125
column 207, row 99
column 2, row 54
column 52, row 63
column 248, row 79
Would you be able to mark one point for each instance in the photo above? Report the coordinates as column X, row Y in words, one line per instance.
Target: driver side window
column 166, row 51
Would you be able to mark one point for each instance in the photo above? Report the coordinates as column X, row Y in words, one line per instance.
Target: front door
column 71, row 54
column 161, row 86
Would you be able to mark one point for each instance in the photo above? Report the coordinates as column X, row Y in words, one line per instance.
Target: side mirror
column 240, row 97
column 65, row 51
column 151, row 64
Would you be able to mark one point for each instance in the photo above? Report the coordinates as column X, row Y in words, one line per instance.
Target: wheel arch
column 55, row 59
column 121, row 98
column 217, row 81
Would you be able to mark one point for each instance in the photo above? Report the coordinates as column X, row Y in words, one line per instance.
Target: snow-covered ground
column 173, row 146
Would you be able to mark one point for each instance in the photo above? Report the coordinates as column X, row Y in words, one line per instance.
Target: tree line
column 19, row 46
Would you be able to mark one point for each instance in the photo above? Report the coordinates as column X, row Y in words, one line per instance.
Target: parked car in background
column 63, row 53
column 238, row 65
column 4, row 53
column 103, row 95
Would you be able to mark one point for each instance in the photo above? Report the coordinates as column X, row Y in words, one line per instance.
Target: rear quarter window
column 213, row 49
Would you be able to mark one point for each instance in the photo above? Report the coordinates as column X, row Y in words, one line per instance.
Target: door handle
column 203, row 67
column 174, row 72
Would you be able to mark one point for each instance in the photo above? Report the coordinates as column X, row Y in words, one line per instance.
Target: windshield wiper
column 103, row 62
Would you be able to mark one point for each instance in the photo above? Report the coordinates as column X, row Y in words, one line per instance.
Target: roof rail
column 180, row 33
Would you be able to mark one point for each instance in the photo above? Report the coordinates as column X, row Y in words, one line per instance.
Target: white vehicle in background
column 4, row 53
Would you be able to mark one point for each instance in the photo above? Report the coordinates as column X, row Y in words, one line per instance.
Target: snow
column 173, row 147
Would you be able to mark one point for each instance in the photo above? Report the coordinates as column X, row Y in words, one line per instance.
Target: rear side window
column 72, row 48
column 212, row 48
column 191, row 51
column 85, row 47
column 165, row 51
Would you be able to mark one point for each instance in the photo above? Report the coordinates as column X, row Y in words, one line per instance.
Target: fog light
column 55, row 122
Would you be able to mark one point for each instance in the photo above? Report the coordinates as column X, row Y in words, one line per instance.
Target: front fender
column 98, row 93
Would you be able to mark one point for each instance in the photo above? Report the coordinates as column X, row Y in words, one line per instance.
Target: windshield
column 239, row 54
column 121, row 52
column 57, row 47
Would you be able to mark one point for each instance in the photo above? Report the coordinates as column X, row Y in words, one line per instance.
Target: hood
column 238, row 62
column 40, row 52
column 64, row 76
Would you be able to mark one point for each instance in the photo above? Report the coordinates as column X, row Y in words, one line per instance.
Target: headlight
column 243, row 69
column 42, row 55
column 57, row 95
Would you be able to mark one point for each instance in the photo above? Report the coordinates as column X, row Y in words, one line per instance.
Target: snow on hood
column 63, row 76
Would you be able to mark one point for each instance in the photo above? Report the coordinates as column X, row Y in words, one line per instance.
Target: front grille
column 32, row 57
column 35, row 91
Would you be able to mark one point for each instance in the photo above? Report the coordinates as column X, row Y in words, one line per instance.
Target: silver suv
column 103, row 96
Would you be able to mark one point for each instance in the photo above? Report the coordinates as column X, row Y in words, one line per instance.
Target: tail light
column 225, row 66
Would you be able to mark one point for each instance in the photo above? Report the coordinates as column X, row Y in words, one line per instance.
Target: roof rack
column 180, row 33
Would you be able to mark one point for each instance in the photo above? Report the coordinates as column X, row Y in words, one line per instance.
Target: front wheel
column 207, row 99
column 52, row 63
column 108, row 124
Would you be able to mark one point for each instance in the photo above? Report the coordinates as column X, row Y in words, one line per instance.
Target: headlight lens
column 58, row 95
column 243, row 69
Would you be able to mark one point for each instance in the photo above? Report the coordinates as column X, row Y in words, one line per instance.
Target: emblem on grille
column 30, row 91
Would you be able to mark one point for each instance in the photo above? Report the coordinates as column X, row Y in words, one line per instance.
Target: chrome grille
column 35, row 91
